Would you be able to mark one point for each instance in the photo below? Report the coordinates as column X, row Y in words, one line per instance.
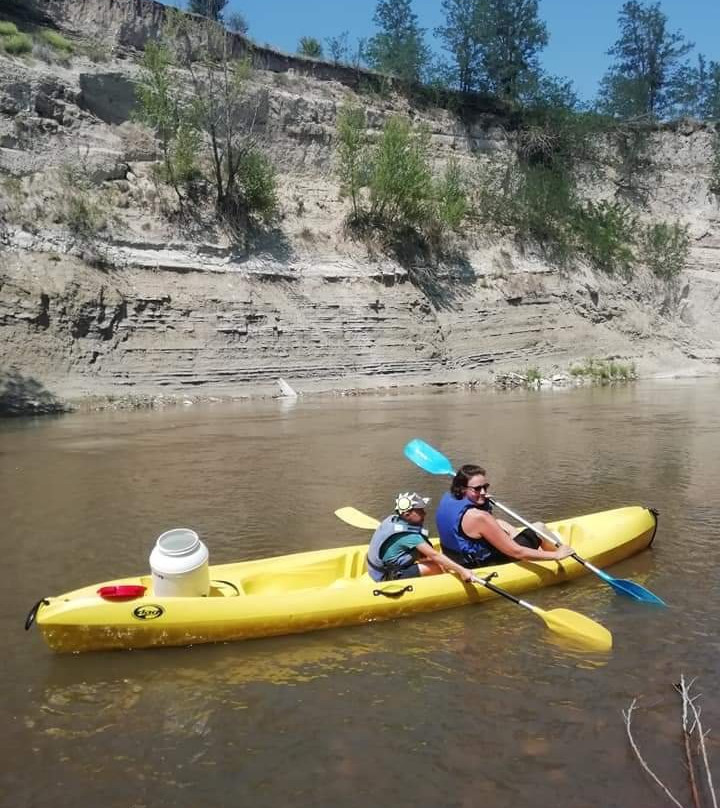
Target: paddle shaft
column 504, row 593
column 546, row 535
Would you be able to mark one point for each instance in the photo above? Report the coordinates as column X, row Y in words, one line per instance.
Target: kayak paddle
column 429, row 459
column 561, row 621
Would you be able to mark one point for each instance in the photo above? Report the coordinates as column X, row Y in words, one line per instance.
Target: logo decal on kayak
column 148, row 612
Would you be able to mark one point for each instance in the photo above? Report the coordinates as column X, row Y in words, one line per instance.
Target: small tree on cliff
column 309, row 46
column 208, row 114
column 212, row 9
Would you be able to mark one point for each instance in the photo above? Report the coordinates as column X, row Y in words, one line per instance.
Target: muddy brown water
column 465, row 707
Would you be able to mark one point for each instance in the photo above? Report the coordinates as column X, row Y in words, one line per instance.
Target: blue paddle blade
column 635, row 591
column 429, row 459
column 630, row 589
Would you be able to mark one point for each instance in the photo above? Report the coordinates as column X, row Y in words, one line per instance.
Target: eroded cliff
column 149, row 307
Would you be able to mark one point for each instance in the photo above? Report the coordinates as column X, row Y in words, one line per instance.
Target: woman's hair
column 462, row 477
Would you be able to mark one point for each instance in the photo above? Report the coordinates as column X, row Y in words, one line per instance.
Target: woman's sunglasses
column 478, row 488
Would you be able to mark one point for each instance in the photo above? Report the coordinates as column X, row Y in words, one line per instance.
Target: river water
column 465, row 707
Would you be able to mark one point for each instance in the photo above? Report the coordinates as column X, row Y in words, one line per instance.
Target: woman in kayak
column 472, row 536
column 400, row 547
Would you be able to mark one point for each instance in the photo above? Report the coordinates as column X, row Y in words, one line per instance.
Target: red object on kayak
column 121, row 592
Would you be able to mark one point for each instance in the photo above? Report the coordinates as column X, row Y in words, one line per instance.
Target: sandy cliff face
column 149, row 307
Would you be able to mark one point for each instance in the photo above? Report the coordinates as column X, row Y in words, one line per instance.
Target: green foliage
column 512, row 37
column 606, row 235
column 258, row 184
column 532, row 375
column 461, row 36
column 309, row 46
column 400, row 179
column 17, row 44
column 7, row 28
column 391, row 183
column 666, row 248
column 79, row 206
column 162, row 108
column 203, row 120
column 84, row 215
column 351, row 154
column 399, row 48
column 696, row 90
column 603, row 371
column 56, row 40
column 647, row 59
column 212, row 9
column 452, row 203
column 236, row 23
column 633, row 159
column 338, row 47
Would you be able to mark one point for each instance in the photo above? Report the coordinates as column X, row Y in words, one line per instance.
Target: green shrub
column 56, row 40
column 17, row 44
column 97, row 51
column 533, row 375
column 665, row 248
column 606, row 234
column 451, row 197
column 603, row 371
column 400, row 178
column 352, row 160
column 7, row 28
column 84, row 215
column 256, row 176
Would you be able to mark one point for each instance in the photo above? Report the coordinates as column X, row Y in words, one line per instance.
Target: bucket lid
column 179, row 541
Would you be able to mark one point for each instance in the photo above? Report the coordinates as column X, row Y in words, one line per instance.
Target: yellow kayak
column 308, row 591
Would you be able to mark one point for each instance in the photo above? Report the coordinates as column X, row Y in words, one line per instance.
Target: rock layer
column 148, row 308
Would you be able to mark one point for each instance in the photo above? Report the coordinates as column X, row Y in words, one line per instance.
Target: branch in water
column 627, row 715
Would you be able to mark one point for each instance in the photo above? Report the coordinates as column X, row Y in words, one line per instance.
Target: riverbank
column 24, row 397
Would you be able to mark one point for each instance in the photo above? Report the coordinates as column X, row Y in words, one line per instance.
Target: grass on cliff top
column 17, row 42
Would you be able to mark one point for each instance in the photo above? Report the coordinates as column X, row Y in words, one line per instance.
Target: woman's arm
column 477, row 524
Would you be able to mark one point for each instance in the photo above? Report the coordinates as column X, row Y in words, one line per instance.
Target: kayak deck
column 315, row 590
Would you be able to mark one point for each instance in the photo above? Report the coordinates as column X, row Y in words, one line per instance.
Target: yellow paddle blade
column 576, row 626
column 356, row 518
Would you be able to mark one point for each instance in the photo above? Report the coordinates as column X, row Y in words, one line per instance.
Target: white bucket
column 179, row 564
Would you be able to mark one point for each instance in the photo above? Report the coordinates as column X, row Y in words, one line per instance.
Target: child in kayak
column 400, row 547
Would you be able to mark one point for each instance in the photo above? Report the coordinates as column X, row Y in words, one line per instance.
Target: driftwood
column 691, row 729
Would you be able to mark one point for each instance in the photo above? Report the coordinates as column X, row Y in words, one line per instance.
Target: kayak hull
column 314, row 590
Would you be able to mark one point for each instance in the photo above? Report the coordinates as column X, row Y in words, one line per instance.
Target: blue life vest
column 453, row 540
column 389, row 530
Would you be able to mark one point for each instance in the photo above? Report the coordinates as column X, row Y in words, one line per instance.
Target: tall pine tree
column 399, row 47
column 647, row 60
column 512, row 36
column 462, row 37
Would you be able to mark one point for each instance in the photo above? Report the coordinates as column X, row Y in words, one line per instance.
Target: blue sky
column 581, row 31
